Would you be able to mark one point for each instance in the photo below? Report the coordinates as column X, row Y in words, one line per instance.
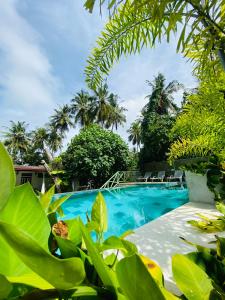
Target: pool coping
column 159, row 239
column 130, row 184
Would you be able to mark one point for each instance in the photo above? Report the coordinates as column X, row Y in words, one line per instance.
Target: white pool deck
column 159, row 239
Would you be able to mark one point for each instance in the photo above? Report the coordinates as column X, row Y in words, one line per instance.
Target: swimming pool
column 128, row 207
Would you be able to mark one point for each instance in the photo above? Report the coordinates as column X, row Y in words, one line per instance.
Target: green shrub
column 95, row 154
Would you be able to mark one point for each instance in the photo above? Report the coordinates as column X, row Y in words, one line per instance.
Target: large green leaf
column 23, row 209
column 190, row 278
column 210, row 264
column 7, row 176
column 102, row 269
column 46, row 198
column 135, row 280
column 61, row 273
column 5, row 287
column 99, row 213
column 31, row 279
column 114, row 242
column 55, row 205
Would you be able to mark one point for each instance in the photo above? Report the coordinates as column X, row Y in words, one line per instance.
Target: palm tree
column 83, row 107
column 102, row 110
column 61, row 120
column 135, row 134
column 17, row 140
column 116, row 115
column 161, row 99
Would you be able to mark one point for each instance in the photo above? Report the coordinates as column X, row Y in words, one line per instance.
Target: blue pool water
column 128, row 208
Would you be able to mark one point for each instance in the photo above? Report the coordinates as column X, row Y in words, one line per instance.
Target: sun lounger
column 160, row 177
column 178, row 174
column 146, row 177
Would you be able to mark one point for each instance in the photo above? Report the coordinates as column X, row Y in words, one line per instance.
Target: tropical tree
column 96, row 154
column 135, row 134
column 17, row 140
column 83, row 107
column 116, row 115
column 62, row 119
column 161, row 100
column 135, row 24
column 102, row 108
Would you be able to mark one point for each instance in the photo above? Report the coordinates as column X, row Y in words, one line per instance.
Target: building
column 36, row 175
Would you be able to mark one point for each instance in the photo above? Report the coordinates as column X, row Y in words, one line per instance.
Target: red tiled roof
column 37, row 169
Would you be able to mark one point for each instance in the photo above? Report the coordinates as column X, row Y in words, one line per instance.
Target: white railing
column 119, row 178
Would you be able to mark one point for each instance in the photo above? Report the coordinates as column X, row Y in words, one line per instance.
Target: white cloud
column 28, row 86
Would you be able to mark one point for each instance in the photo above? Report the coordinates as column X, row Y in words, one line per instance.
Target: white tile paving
column 159, row 239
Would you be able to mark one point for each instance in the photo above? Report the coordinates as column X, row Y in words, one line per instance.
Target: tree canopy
column 95, row 154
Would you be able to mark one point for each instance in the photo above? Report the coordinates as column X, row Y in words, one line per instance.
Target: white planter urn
column 198, row 189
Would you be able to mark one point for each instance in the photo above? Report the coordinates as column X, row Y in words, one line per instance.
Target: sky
column 44, row 46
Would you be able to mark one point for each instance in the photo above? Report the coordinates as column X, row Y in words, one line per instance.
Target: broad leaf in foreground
column 61, row 273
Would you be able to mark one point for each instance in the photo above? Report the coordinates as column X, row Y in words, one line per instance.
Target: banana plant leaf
column 46, row 198
column 107, row 276
column 61, row 273
column 135, row 280
column 99, row 213
column 7, row 176
column 113, row 242
column 23, row 210
column 191, row 279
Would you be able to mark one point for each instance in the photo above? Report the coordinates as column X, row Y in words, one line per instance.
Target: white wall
column 198, row 189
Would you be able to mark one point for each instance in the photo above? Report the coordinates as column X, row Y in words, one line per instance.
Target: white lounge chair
column 178, row 174
column 146, row 176
column 160, row 177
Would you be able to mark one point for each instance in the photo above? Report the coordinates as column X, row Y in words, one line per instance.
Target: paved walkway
column 159, row 239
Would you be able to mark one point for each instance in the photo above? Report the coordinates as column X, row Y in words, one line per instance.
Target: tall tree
column 135, row 134
column 83, row 107
column 161, row 100
column 17, row 140
column 116, row 115
column 158, row 118
column 139, row 23
column 103, row 108
column 62, row 119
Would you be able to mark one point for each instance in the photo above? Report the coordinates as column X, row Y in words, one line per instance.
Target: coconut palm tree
column 61, row 121
column 135, row 134
column 17, row 140
column 83, row 107
column 161, row 99
column 116, row 115
column 103, row 108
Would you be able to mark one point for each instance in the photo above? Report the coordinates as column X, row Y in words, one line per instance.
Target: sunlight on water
column 128, row 208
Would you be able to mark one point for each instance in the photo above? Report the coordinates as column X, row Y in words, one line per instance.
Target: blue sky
column 43, row 50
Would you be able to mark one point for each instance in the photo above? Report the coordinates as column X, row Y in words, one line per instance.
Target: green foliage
column 191, row 279
column 215, row 224
column 82, row 268
column 24, row 211
column 138, row 23
column 138, row 287
column 62, row 274
column 99, row 215
column 7, row 176
column 135, row 134
column 95, row 154
column 155, row 136
column 200, row 127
